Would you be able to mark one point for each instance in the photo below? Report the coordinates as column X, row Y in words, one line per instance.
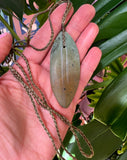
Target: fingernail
column 3, row 35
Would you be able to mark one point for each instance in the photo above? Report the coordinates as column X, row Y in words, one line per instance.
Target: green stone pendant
column 64, row 69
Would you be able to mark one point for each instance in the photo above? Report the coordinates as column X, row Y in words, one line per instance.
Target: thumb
column 5, row 45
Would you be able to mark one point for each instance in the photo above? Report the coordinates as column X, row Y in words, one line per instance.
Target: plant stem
column 9, row 28
column 11, row 21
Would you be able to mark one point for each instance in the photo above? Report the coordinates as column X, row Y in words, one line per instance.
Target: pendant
column 64, row 69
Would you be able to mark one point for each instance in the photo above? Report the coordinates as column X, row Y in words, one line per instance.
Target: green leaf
column 76, row 121
column 55, row 158
column 42, row 18
column 111, row 108
column 103, row 7
column 78, row 3
column 9, row 28
column 116, row 66
column 114, row 23
column 98, row 85
column 3, row 70
column 42, row 5
column 112, row 49
column 111, row 72
column 76, row 116
column 124, row 156
column 16, row 6
column 104, row 142
column 95, row 97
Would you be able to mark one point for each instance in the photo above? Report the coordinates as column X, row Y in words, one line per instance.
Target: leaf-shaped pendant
column 64, row 69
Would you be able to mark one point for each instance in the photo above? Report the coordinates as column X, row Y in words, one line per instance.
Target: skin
column 21, row 134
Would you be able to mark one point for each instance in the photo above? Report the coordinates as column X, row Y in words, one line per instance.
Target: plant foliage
column 16, row 6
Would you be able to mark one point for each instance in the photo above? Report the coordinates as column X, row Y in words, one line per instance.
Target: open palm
column 21, row 134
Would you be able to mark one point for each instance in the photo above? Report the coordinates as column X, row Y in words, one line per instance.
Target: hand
column 21, row 134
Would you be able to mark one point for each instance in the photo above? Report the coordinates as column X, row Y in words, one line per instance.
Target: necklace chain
column 30, row 86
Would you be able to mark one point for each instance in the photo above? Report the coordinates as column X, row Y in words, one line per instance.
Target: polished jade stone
column 64, row 69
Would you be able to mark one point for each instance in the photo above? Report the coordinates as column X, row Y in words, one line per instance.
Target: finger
column 86, row 39
column 5, row 45
column 80, row 20
column 42, row 37
column 88, row 66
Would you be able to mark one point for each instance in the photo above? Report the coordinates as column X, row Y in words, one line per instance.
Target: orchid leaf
column 16, row 6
